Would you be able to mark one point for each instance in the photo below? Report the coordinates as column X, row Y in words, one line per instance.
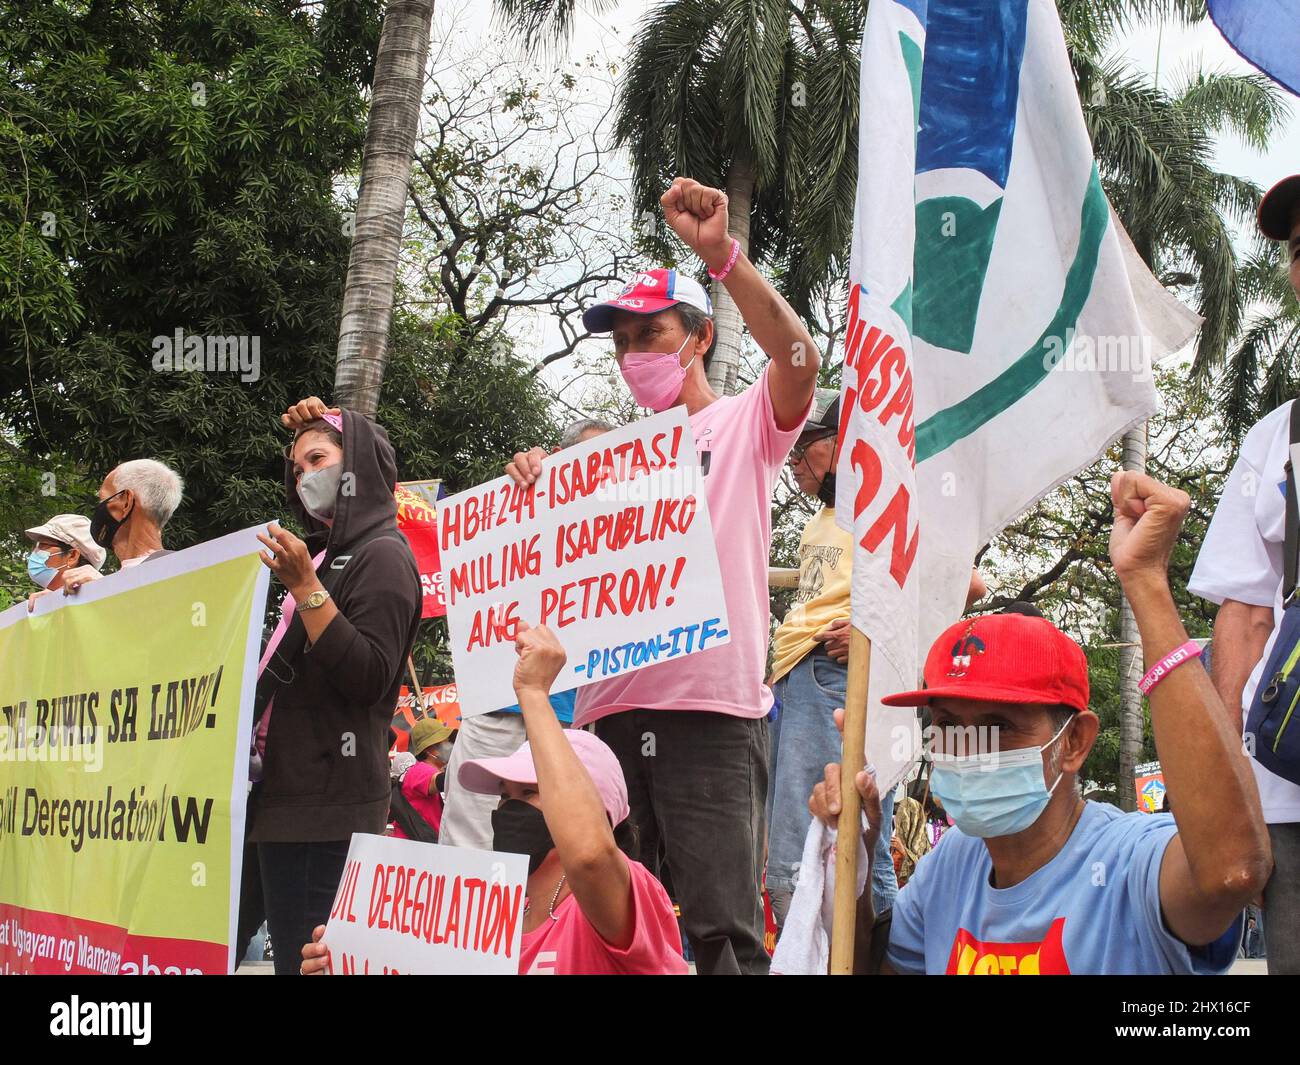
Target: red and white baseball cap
column 650, row 292
column 484, row 775
column 1003, row 658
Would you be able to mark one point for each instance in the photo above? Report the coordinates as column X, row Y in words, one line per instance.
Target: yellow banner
column 124, row 744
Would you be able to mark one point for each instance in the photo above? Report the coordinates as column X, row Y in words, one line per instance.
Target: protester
column 1241, row 567
column 336, row 665
column 700, row 789
column 136, row 500
column 582, row 430
column 1033, row 878
column 467, row 817
column 418, row 775
column 591, row 910
column 810, row 668
column 61, row 545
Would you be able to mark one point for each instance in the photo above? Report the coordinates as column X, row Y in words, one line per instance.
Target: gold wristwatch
column 316, row 599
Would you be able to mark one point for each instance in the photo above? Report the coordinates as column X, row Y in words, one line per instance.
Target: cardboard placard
column 612, row 548
column 404, row 907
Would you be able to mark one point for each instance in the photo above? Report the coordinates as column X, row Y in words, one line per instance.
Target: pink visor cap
column 650, row 292
column 484, row 775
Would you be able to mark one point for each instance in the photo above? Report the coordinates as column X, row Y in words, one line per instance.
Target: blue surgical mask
column 39, row 570
column 995, row 794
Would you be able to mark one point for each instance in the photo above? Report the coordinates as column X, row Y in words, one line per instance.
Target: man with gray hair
column 582, row 430
column 135, row 501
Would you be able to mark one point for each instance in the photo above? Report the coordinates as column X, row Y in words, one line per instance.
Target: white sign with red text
column 612, row 548
column 408, row 908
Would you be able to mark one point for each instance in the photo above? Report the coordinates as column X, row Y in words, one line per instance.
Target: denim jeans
column 696, row 786
column 804, row 740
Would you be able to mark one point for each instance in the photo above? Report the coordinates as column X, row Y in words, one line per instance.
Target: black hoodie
column 325, row 773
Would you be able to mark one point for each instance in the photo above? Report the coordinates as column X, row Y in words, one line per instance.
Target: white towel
column 804, row 948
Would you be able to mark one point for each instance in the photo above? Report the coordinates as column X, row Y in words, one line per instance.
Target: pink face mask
column 655, row 377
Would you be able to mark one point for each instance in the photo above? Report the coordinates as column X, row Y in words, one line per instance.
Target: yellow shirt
column 825, row 563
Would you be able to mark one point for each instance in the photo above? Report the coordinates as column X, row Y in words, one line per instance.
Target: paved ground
column 1242, row 967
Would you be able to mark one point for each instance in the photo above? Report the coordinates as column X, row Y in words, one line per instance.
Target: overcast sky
column 1166, row 53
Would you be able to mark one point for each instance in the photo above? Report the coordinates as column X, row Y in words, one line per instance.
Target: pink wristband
column 1175, row 658
column 735, row 254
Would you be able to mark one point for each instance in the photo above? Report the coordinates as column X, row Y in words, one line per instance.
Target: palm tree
column 394, row 122
column 1262, row 371
column 1154, row 150
column 759, row 98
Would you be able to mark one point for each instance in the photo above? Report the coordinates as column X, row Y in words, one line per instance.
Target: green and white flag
column 1001, row 328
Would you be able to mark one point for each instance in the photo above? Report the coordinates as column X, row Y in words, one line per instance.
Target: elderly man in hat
column 1033, row 878
column 698, row 792
column 1242, row 567
column 809, row 676
column 810, row 673
column 62, row 545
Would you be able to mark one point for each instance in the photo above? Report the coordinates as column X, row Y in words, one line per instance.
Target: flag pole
column 849, row 830
column 417, row 692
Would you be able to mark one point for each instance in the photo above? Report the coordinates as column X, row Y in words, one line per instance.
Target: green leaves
column 734, row 91
column 170, row 166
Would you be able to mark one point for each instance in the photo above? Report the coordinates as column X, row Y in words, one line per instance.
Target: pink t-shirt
column 741, row 454
column 569, row 946
column 415, row 786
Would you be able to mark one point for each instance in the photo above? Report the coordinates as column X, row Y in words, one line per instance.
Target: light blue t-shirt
column 1094, row 908
column 561, row 703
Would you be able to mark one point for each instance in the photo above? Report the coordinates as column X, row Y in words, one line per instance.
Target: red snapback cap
column 1003, row 658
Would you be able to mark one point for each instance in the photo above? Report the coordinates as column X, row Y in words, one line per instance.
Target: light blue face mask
column 995, row 794
column 39, row 570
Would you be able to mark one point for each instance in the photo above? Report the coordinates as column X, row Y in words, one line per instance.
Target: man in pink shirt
column 697, row 777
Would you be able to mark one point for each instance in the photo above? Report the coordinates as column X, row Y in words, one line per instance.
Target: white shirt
column 1242, row 559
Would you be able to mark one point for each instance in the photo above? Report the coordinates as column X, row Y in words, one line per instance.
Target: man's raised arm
column 698, row 214
column 1220, row 858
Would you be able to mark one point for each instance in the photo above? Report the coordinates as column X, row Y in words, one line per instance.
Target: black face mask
column 519, row 828
column 103, row 526
column 826, row 493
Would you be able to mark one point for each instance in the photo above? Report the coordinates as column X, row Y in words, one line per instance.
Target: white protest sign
column 611, row 548
column 404, row 907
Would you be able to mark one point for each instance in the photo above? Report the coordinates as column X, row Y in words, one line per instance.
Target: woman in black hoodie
column 332, row 682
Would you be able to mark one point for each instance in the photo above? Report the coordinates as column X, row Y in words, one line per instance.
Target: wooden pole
column 417, row 693
column 849, row 830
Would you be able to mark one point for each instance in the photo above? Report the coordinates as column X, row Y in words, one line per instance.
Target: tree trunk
column 381, row 204
column 1130, row 654
column 727, row 322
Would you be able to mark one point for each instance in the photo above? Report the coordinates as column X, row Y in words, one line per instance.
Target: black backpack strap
column 1292, row 543
column 408, row 818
